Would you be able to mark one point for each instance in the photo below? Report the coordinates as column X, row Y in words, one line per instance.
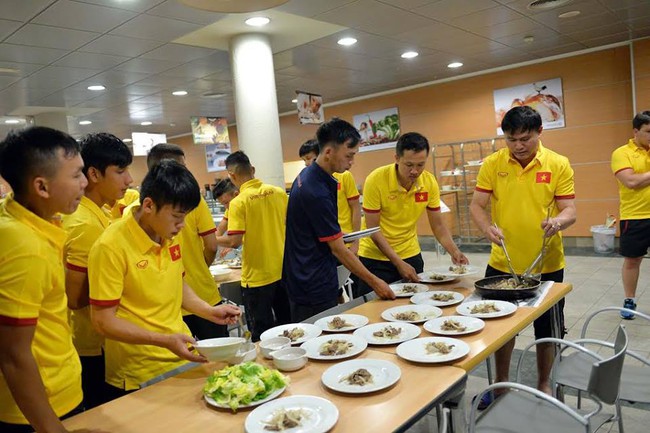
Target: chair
column 573, row 371
column 232, row 292
column 339, row 309
column 345, row 282
column 527, row 409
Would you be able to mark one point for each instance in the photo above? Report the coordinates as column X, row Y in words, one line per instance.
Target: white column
column 256, row 105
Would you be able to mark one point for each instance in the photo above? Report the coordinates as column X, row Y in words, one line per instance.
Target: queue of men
column 134, row 277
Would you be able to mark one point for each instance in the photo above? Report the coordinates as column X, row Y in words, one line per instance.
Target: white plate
column 398, row 287
column 234, row 266
column 425, row 298
column 415, row 350
column 426, row 312
column 313, row 346
column 321, row 414
column 444, row 270
column 409, row 332
column 351, row 237
column 384, row 375
column 473, row 324
column 425, row 277
column 311, row 331
column 355, row 320
column 506, row 308
column 271, row 396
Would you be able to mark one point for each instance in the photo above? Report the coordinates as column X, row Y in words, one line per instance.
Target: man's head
column 411, row 154
column 165, row 151
column 338, row 142
column 224, row 191
column 44, row 168
column 309, row 151
column 641, row 128
column 522, row 127
column 239, row 168
column 106, row 161
column 168, row 193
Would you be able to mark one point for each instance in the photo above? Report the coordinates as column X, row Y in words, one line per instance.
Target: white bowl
column 219, row 273
column 289, row 359
column 273, row 344
column 247, row 352
column 219, row 349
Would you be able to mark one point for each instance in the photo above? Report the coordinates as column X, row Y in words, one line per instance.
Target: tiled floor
column 596, row 284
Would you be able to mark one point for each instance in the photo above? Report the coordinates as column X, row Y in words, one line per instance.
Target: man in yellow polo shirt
column 116, row 208
column 522, row 182
column 40, row 372
column 631, row 166
column 257, row 221
column 223, row 192
column 106, row 160
column 394, row 198
column 135, row 272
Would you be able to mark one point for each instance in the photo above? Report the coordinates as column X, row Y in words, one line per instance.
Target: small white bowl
column 220, row 274
column 273, row 344
column 247, row 352
column 219, row 349
column 289, row 359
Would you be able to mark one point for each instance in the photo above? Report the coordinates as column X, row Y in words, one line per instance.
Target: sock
column 633, row 300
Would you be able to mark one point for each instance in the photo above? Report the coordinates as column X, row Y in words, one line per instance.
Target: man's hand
column 354, row 247
column 551, row 227
column 383, row 290
column 178, row 344
column 407, row 271
column 494, row 235
column 223, row 252
column 459, row 258
column 225, row 314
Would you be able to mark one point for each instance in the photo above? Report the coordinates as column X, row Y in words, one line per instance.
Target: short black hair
column 222, row 187
column 642, row 118
column 163, row 151
column 239, row 163
column 309, row 146
column 521, row 119
column 30, row 152
column 102, row 149
column 171, row 183
column 336, row 132
column 412, row 141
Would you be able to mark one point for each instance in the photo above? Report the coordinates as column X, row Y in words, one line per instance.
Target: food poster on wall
column 210, row 130
column 215, row 158
column 544, row 96
column 310, row 108
column 378, row 130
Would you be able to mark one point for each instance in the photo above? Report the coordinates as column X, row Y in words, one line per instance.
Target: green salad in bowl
column 243, row 385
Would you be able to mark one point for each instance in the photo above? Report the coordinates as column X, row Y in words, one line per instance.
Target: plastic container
column 603, row 238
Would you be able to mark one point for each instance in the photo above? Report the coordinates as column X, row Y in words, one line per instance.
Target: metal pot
column 483, row 289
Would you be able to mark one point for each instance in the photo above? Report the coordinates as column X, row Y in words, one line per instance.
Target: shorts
column 635, row 237
column 542, row 324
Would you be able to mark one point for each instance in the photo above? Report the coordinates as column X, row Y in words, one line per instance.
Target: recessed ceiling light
column 257, row 21
column 529, row 39
column 146, row 123
column 569, row 14
column 213, row 95
column 179, row 93
column 410, row 54
column 294, row 101
column 12, row 121
column 347, row 41
column 542, row 5
column 455, row 65
column 127, row 140
column 96, row 87
column 9, row 71
column 85, row 122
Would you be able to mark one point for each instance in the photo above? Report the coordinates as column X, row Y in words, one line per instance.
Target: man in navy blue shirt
column 314, row 238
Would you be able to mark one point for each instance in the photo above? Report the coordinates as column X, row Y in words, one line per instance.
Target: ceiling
column 51, row 51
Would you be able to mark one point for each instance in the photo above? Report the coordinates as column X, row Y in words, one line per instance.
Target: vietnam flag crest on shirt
column 543, row 177
column 175, row 252
column 421, row 197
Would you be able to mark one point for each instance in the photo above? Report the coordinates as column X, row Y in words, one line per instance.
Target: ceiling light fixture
column 569, row 14
column 96, row 87
column 179, row 93
column 410, row 54
column 453, row 65
column 12, row 121
column 146, row 123
column 346, row 42
column 257, row 21
column 544, row 5
column 529, row 39
column 294, row 101
column 127, row 140
column 213, row 95
column 85, row 122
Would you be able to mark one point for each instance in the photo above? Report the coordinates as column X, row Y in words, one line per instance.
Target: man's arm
column 478, row 211
column 633, row 180
column 351, row 261
column 222, row 228
column 563, row 220
column 225, row 314
column 23, row 379
column 230, row 240
column 76, row 287
column 441, row 232
column 210, row 247
column 405, row 270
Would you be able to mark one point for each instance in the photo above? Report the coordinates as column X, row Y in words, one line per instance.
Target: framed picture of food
column 378, row 129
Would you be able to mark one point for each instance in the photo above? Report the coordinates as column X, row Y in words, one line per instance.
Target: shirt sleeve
column 23, row 281
column 565, row 189
column 324, row 218
column 81, row 238
column 349, row 186
column 371, row 195
column 485, row 177
column 106, row 271
column 237, row 216
column 205, row 223
column 620, row 161
column 434, row 194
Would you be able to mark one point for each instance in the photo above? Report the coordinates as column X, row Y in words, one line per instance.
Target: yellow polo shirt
column 130, row 196
column 145, row 280
column 32, row 293
column 259, row 212
column 198, row 223
column 84, row 227
column 400, row 210
column 347, row 195
column 520, row 198
column 635, row 203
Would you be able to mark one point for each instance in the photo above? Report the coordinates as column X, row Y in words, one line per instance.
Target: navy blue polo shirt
column 309, row 267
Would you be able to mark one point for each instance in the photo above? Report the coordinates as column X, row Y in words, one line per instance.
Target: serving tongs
column 540, row 257
column 247, row 333
column 512, row 269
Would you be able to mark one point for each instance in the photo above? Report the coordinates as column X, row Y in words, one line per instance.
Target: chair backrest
column 343, row 273
column 232, row 292
column 339, row 309
column 611, row 309
column 605, row 377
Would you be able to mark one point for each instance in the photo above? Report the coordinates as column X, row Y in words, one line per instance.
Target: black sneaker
column 630, row 305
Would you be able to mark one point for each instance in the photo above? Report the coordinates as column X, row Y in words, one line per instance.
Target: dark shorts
column 542, row 324
column 635, row 237
column 384, row 270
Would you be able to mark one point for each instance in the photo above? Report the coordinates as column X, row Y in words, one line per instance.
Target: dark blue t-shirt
column 309, row 267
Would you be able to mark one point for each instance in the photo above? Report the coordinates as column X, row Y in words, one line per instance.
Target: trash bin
column 603, row 238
